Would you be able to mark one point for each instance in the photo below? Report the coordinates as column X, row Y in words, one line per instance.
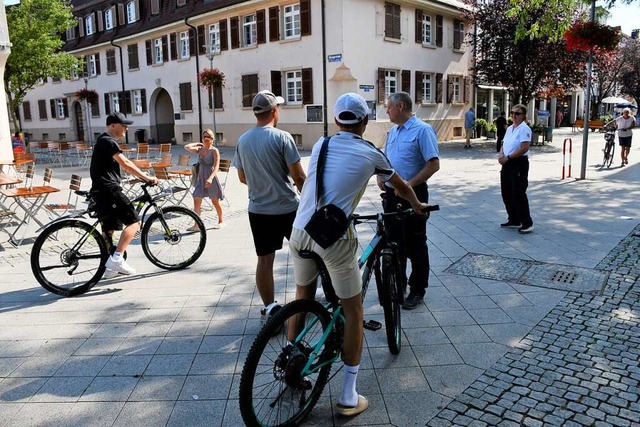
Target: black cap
column 117, row 117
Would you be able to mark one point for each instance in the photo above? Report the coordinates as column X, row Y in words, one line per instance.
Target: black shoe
column 510, row 224
column 525, row 230
column 412, row 301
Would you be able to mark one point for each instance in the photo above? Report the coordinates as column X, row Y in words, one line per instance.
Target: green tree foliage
column 555, row 18
column 529, row 67
column 630, row 73
column 35, row 27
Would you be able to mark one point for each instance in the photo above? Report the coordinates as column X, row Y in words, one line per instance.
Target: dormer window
column 88, row 25
column 132, row 16
column 108, row 19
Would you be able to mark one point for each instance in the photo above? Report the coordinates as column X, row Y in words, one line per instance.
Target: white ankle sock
column 117, row 256
column 349, row 396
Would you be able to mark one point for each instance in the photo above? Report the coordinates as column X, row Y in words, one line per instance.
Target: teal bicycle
column 283, row 379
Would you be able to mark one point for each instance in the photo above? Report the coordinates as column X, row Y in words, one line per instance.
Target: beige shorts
column 340, row 259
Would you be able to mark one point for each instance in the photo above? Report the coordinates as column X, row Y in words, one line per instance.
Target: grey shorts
column 340, row 259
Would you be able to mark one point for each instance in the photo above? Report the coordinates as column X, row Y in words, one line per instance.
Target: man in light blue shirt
column 412, row 149
column 469, row 124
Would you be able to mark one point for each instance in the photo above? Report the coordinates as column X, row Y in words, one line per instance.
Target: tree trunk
column 14, row 115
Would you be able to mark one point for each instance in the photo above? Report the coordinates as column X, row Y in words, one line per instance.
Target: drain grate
column 564, row 277
column 532, row 273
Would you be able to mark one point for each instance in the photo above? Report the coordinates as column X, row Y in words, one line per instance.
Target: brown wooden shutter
column 307, row 86
column 143, row 96
column 121, row 102
column 438, row 88
column 202, row 40
column 392, row 20
column 457, row 34
column 276, row 82
column 147, row 44
column 274, row 24
column 192, row 42
column 449, row 89
column 418, row 26
column 439, row 24
column 42, row 109
column 52, row 106
column 217, row 95
column 26, row 109
column 418, row 86
column 127, row 102
column 100, row 20
column 174, row 48
column 406, row 81
column 224, row 42
column 235, row 35
column 246, row 95
column 133, row 56
column 305, row 17
column 97, row 63
column 465, row 90
column 165, row 49
column 381, row 99
column 185, row 97
column 107, row 104
column 121, row 17
column 65, row 107
column 261, row 26
column 81, row 27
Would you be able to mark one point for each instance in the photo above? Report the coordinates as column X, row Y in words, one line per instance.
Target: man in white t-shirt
column 514, row 175
column 350, row 163
column 625, row 123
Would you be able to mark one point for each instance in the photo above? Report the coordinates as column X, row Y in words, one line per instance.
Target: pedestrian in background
column 514, row 175
column 207, row 183
column 412, row 149
column 625, row 123
column 469, row 125
column 265, row 158
column 501, row 129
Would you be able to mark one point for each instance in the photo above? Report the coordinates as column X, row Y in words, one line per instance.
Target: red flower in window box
column 592, row 35
column 89, row 94
column 211, row 77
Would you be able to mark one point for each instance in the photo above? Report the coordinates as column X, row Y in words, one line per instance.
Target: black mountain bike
column 283, row 378
column 609, row 145
column 69, row 255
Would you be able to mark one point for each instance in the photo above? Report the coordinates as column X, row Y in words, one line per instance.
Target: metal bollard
column 564, row 153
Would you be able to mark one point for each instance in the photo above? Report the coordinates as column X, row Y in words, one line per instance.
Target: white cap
column 350, row 109
column 265, row 101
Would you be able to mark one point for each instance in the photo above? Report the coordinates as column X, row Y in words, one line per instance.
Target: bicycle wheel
column 609, row 149
column 167, row 243
column 391, row 301
column 273, row 390
column 68, row 257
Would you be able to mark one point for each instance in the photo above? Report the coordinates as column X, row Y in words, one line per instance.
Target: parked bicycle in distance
column 69, row 255
column 283, row 377
column 609, row 144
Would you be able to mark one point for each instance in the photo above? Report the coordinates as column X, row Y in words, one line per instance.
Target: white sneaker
column 109, row 274
column 119, row 266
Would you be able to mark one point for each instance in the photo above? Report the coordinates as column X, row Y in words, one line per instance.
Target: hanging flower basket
column 211, row 77
column 89, row 94
column 592, row 35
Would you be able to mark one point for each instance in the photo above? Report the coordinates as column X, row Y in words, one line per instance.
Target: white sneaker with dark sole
column 120, row 266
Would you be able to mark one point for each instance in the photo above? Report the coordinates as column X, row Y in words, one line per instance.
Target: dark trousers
column 514, row 180
column 413, row 241
column 499, row 140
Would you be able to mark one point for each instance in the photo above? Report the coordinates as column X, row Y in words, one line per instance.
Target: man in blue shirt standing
column 412, row 149
column 469, row 124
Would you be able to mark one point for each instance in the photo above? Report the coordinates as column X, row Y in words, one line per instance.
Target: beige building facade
column 142, row 57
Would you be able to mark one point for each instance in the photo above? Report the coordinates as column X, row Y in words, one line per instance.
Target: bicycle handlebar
column 357, row 218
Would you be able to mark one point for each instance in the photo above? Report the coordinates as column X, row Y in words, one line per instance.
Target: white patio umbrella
column 614, row 100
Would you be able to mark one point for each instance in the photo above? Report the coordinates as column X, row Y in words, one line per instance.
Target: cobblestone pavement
column 580, row 366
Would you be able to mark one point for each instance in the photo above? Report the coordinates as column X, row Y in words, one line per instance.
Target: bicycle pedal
column 372, row 325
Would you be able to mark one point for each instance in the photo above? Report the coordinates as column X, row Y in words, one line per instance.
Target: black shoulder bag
column 328, row 223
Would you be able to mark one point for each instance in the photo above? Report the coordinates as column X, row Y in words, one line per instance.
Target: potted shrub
column 491, row 130
column 537, row 131
column 481, row 124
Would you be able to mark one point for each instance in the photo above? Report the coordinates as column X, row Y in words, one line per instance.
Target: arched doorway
column 77, row 110
column 161, row 116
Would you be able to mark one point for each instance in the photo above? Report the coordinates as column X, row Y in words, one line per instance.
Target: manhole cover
column 490, row 267
column 564, row 277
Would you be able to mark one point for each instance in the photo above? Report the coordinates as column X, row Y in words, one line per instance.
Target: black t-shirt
column 105, row 172
column 501, row 122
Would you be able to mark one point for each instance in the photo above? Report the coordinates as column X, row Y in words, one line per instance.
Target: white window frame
column 427, row 30
column 293, row 84
column 157, row 51
column 136, row 98
column 214, row 38
column 74, row 73
column 71, row 33
column 249, row 30
column 131, row 12
column 108, row 19
column 93, row 70
column 428, row 80
column 291, row 21
column 88, row 25
column 115, row 101
column 184, row 45
column 390, row 83
column 456, row 84
column 59, row 108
